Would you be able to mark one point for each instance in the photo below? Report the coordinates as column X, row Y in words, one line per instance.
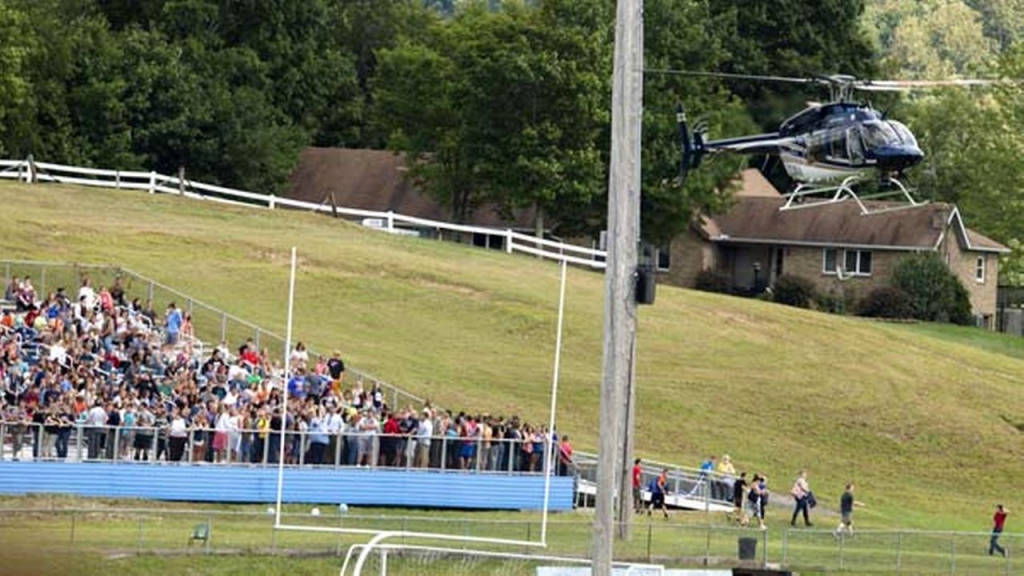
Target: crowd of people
column 136, row 385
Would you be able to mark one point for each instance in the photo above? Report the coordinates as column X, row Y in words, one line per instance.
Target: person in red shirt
column 638, row 498
column 565, row 462
column 998, row 521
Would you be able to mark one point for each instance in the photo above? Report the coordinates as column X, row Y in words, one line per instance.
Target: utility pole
column 620, row 274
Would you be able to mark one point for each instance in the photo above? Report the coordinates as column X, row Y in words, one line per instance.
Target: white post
column 270, row 203
column 508, row 240
column 391, row 221
column 30, row 173
column 117, row 180
column 554, row 404
column 284, row 394
column 152, row 182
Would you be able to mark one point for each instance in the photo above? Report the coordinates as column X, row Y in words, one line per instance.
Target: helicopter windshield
column 904, row 133
column 877, row 134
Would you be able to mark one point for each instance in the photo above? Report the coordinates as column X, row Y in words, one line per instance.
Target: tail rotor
column 692, row 148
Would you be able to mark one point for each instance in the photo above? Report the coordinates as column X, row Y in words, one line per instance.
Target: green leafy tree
column 680, row 35
column 973, row 147
column 931, row 40
column 935, row 294
column 15, row 46
column 789, row 38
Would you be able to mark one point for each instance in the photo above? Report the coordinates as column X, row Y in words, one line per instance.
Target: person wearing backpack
column 804, row 499
column 657, row 488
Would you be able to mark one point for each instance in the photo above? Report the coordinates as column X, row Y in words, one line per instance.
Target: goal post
column 549, row 462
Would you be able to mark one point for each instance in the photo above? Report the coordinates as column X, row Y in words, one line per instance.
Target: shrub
column 885, row 302
column 712, row 281
column 934, row 292
column 794, row 290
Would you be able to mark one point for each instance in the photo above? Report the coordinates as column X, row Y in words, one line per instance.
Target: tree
column 935, row 294
column 789, row 38
column 973, row 146
column 680, row 35
column 15, row 46
column 504, row 107
column 930, row 40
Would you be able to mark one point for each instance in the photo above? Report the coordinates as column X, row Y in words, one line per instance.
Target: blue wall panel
column 359, row 486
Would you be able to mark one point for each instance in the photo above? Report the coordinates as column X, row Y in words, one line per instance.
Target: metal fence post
column 138, row 543
column 899, row 551
column 952, row 553
column 650, row 530
column 842, row 545
column 785, row 547
column 764, row 547
column 707, row 544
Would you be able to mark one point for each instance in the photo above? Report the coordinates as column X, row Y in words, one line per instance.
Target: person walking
column 846, row 504
column 657, row 488
column 802, row 495
column 998, row 522
column 739, row 489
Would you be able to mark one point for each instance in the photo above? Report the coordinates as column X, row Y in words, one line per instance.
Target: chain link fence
column 142, row 531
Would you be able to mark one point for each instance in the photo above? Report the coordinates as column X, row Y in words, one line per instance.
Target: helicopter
column 826, row 148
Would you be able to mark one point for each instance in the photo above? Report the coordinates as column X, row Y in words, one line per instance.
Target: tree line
column 497, row 102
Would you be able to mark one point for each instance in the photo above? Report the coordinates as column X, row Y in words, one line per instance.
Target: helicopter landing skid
column 808, row 195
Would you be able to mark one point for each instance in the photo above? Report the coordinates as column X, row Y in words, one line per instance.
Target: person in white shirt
column 86, row 295
column 177, row 435
column 96, row 419
column 424, row 433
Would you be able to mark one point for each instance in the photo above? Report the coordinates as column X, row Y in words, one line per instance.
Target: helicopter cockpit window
column 877, row 134
column 904, row 133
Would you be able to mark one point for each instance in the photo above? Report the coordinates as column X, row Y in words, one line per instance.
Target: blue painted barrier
column 354, row 486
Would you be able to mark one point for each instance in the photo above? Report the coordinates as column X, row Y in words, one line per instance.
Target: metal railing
column 166, row 530
column 258, row 447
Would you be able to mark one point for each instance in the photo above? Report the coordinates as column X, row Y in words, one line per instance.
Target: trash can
column 748, row 548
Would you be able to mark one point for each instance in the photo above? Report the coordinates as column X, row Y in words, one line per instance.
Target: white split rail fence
column 30, row 171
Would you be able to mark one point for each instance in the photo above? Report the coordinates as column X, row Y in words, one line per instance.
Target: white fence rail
column 152, row 182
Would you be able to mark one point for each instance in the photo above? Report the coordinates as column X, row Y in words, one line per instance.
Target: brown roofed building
column 376, row 180
column 843, row 251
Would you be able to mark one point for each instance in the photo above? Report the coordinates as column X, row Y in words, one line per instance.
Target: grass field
column 926, row 419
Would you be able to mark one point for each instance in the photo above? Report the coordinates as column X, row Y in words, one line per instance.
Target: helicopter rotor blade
column 729, row 75
column 905, row 85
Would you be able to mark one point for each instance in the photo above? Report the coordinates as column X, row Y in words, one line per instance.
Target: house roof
column 375, row 180
column 756, row 218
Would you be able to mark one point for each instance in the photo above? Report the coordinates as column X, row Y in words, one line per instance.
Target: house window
column 979, row 269
column 663, row 259
column 829, row 256
column 853, row 263
column 858, row 262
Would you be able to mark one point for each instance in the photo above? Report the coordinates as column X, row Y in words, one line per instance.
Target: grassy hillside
column 923, row 418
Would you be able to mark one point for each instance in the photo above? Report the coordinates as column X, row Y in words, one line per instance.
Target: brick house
column 844, row 252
